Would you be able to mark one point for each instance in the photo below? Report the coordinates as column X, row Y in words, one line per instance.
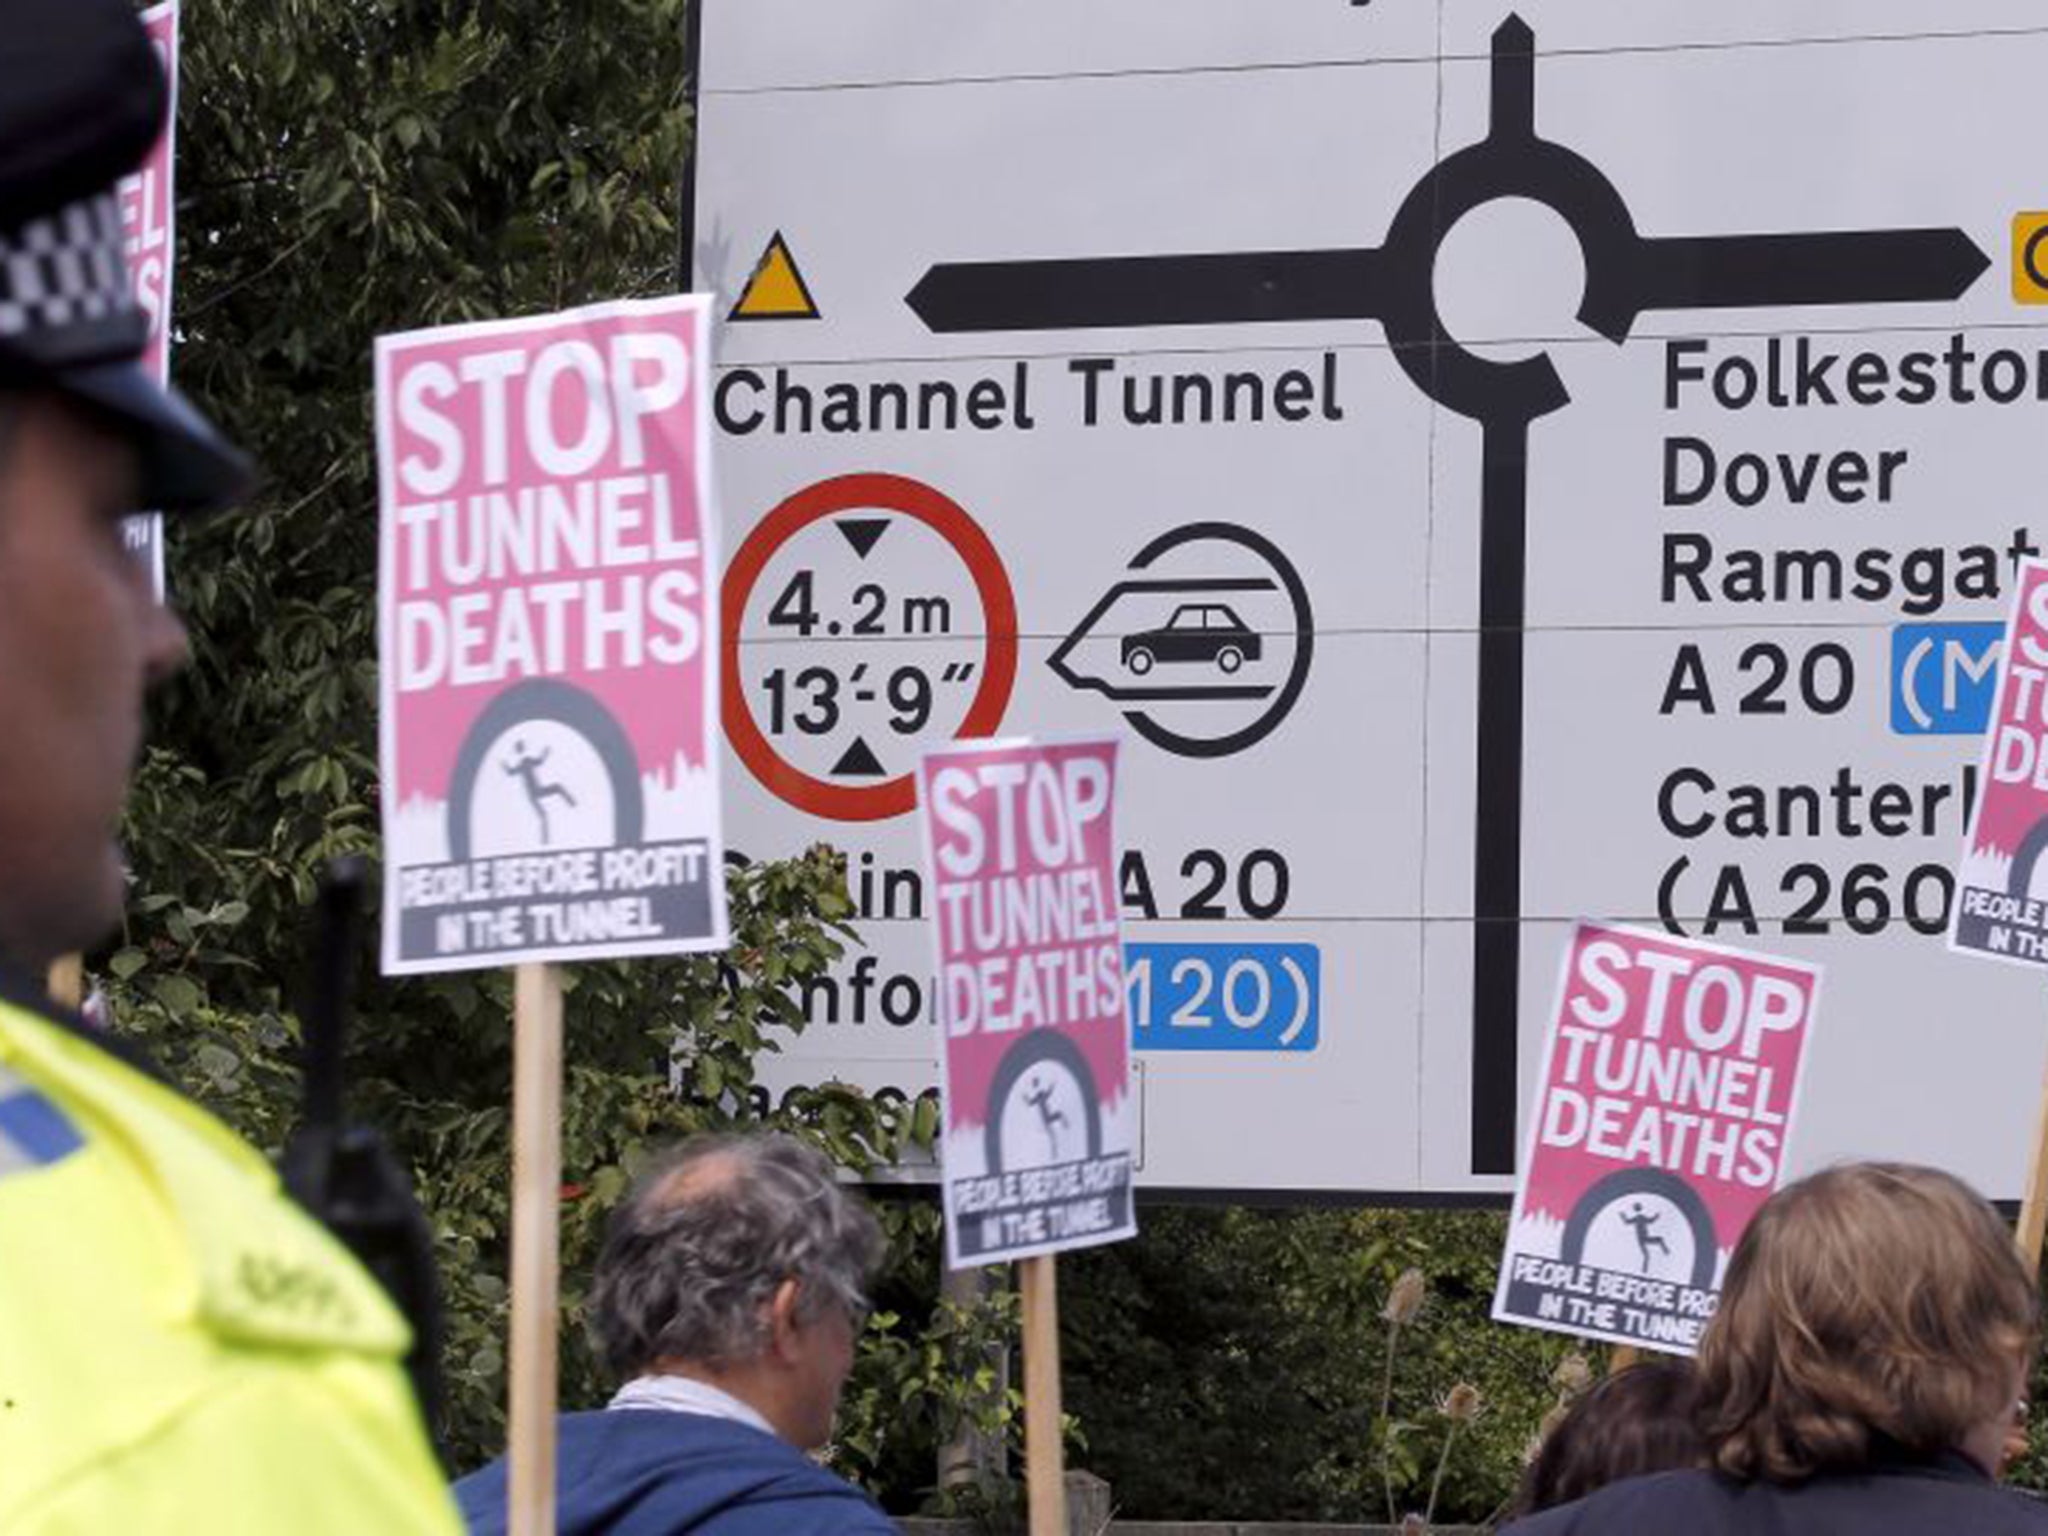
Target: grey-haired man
column 730, row 1291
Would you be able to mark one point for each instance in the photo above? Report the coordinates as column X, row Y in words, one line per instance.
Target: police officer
column 181, row 1349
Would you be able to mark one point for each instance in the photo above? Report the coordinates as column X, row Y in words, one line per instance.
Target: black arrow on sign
column 1238, row 288
column 862, row 532
column 1879, row 266
column 858, row 762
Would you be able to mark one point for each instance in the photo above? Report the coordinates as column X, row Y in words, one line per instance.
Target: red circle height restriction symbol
column 944, row 516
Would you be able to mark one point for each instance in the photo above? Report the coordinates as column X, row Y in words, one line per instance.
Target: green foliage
column 1228, row 1364
column 929, row 1369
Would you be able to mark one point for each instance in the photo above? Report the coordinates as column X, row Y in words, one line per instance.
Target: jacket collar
column 1890, row 1459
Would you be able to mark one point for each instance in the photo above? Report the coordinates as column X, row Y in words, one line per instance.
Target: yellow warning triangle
column 777, row 290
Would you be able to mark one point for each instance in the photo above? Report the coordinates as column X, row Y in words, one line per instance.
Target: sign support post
column 972, row 1453
column 1045, row 1468
column 536, row 1213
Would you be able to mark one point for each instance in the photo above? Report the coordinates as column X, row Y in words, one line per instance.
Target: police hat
column 82, row 101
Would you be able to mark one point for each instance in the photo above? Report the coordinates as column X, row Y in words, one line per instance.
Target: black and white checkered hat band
column 64, row 273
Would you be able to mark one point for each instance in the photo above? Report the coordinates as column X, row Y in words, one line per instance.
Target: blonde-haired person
column 1861, row 1377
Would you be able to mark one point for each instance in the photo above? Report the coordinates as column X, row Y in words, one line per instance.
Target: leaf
column 179, row 994
column 218, row 1062
column 608, row 1185
column 924, row 1120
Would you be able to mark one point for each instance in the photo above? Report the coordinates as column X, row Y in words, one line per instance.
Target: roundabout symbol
column 1627, row 275
column 891, row 494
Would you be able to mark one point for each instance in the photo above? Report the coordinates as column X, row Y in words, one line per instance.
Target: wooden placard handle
column 1045, row 1473
column 536, row 1253
column 2034, row 1197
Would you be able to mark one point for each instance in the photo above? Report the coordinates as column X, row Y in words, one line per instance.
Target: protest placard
column 149, row 244
column 148, row 209
column 1670, row 1081
column 547, row 599
column 1997, row 911
column 1039, row 1117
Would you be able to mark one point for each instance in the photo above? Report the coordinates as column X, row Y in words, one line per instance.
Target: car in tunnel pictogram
column 1197, row 632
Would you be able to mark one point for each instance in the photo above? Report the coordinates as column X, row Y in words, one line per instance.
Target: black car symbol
column 1196, row 632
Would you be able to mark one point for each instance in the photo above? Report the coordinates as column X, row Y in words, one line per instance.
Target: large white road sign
column 1499, row 465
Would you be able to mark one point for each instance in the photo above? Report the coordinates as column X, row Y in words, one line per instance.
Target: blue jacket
column 650, row 1472
column 1950, row 1497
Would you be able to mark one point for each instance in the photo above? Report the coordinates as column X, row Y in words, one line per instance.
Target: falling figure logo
column 1039, row 1097
column 525, row 767
column 1642, row 1221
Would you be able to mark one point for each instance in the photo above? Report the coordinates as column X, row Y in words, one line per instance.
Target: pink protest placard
column 148, row 209
column 1670, row 1081
column 546, row 624
column 1039, row 1117
column 1997, row 910
column 149, row 243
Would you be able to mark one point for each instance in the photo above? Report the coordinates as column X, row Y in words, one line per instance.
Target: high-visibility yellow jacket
column 181, row 1348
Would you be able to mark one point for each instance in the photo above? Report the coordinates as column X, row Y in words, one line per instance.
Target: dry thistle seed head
column 1573, row 1375
column 1546, row 1429
column 1404, row 1301
column 1462, row 1403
